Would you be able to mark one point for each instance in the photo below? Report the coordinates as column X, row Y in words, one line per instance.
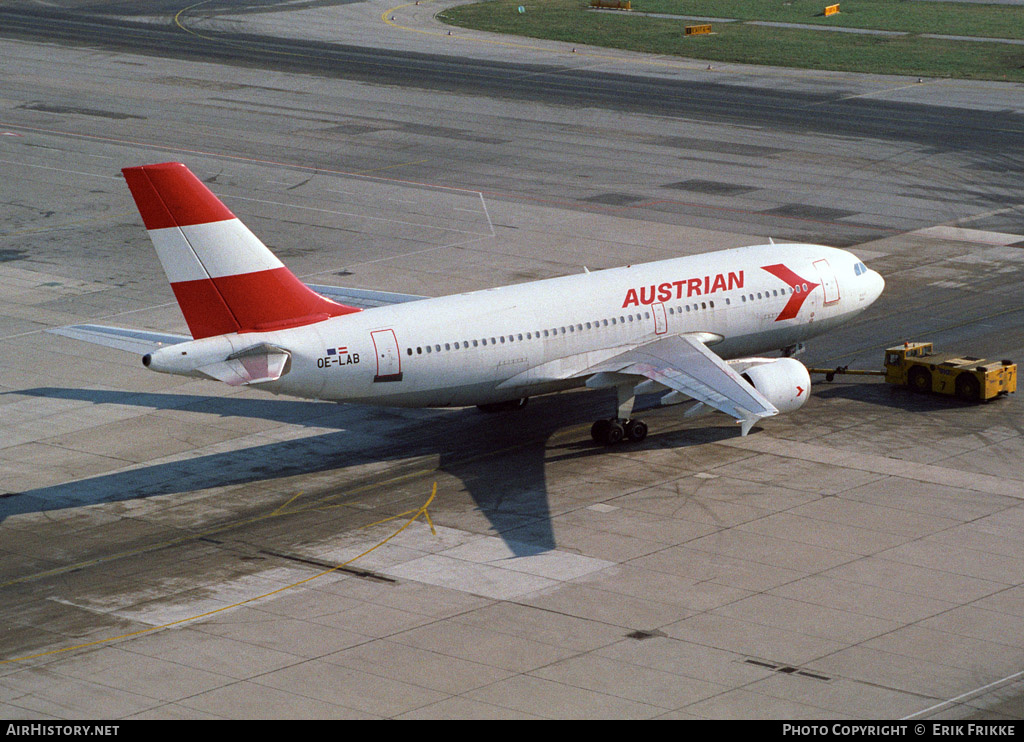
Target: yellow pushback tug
column 919, row 367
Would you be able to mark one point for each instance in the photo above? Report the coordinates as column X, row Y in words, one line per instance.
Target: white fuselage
column 516, row 341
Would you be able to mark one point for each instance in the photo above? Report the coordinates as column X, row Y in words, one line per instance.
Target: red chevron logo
column 801, row 289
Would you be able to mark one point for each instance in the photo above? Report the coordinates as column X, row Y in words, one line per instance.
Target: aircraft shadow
column 888, row 395
column 508, row 487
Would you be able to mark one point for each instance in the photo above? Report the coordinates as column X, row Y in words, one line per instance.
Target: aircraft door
column 829, row 284
column 389, row 359
column 660, row 319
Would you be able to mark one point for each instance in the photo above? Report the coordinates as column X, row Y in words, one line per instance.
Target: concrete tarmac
column 174, row 548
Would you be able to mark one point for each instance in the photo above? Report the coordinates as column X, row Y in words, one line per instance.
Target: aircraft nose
column 877, row 284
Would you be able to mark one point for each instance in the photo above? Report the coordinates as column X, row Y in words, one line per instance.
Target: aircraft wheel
column 636, row 430
column 607, row 432
column 615, row 433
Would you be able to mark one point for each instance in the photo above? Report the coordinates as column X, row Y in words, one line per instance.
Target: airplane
column 690, row 328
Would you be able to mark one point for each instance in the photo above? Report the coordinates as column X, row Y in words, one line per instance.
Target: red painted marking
column 169, row 195
column 204, row 308
column 798, row 297
column 252, row 302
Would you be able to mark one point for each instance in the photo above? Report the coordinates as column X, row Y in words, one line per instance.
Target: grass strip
column 571, row 21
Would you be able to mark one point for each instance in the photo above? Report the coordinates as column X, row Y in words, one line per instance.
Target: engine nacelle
column 785, row 382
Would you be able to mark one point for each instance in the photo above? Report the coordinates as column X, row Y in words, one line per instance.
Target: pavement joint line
column 416, row 513
column 217, row 529
column 883, row 465
column 317, row 505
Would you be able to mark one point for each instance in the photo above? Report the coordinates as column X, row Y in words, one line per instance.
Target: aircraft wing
column 363, row 298
column 686, row 365
column 133, row 341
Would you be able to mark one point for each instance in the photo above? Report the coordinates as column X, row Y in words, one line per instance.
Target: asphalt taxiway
column 177, row 548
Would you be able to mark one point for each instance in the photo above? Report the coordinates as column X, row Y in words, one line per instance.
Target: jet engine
column 783, row 381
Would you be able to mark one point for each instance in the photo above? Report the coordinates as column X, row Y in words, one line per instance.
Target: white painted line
column 62, row 170
column 960, row 234
column 962, row 696
column 356, row 216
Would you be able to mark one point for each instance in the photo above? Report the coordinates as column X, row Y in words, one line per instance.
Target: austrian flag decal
column 801, row 289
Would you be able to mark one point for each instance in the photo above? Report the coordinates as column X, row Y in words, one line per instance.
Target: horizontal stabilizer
column 133, row 341
column 363, row 298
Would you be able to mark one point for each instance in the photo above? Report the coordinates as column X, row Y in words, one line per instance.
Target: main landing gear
column 609, row 431
column 612, row 431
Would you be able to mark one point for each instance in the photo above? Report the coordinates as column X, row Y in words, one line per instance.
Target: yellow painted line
column 186, row 29
column 281, row 509
column 212, row 531
column 422, row 510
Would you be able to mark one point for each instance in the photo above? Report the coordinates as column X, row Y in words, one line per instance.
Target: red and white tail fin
column 224, row 277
